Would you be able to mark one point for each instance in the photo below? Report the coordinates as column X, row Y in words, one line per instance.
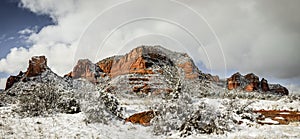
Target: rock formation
column 85, row 69
column 142, row 118
column 143, row 60
column 13, row 79
column 253, row 81
column 279, row 89
column 234, row 81
column 250, row 83
column 37, row 65
column 264, row 85
column 138, row 61
column 145, row 69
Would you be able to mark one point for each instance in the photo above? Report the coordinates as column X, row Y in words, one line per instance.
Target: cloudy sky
column 222, row 37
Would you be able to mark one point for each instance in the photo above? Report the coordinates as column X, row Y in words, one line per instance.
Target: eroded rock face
column 188, row 68
column 106, row 64
column 85, row 69
column 253, row 81
column 234, row 81
column 137, row 61
column 142, row 118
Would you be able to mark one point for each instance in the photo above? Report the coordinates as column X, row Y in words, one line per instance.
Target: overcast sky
column 222, row 37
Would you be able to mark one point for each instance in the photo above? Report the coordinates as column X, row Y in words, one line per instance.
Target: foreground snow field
column 75, row 126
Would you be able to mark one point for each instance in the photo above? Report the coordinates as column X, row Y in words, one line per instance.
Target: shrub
column 44, row 99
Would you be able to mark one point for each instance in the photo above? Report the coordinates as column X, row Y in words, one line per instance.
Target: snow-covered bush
column 172, row 113
column 190, row 114
column 181, row 115
column 101, row 107
column 205, row 120
column 44, row 99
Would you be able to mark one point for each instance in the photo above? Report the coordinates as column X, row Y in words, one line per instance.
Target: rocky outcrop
column 253, row 81
column 13, row 79
column 279, row 89
column 142, row 118
column 264, row 85
column 37, row 65
column 250, row 83
column 234, row 81
column 85, row 69
column 188, row 68
column 106, row 64
column 213, row 78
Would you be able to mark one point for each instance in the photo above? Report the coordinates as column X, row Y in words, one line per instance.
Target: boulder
column 142, row 118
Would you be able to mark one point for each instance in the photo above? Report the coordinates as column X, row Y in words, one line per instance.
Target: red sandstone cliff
column 37, row 65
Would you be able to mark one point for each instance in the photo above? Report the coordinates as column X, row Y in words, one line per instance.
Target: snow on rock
column 268, row 121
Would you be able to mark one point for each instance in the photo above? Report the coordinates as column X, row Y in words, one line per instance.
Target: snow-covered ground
column 70, row 126
column 282, row 104
column 75, row 125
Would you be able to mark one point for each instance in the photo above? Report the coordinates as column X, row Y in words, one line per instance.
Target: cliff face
column 141, row 61
column 85, row 69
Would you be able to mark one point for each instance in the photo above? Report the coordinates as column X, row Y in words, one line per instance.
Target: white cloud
column 2, row 83
column 260, row 37
column 26, row 31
